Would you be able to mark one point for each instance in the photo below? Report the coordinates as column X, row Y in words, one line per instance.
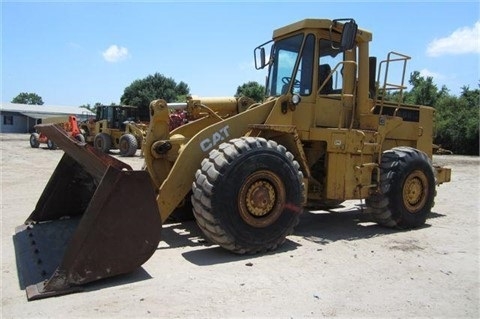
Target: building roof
column 43, row 111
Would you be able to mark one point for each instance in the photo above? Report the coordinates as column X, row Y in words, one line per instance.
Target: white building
column 21, row 118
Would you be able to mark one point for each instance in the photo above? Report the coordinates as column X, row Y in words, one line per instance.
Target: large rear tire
column 248, row 195
column 103, row 142
column 127, row 145
column 407, row 189
column 34, row 142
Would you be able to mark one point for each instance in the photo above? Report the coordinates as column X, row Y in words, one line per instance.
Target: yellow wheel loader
column 115, row 127
column 324, row 134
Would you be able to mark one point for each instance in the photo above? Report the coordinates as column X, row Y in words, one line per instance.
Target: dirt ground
column 336, row 264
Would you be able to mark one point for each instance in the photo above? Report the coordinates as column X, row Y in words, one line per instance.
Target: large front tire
column 248, row 195
column 407, row 189
column 127, row 145
column 103, row 142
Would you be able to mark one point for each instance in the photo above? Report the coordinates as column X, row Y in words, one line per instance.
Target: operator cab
column 297, row 68
column 117, row 115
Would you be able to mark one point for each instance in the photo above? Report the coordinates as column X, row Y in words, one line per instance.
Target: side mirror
column 262, row 56
column 349, row 33
column 259, row 58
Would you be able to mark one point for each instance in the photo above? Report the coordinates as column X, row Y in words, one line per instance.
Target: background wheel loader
column 69, row 124
column 324, row 134
column 115, row 127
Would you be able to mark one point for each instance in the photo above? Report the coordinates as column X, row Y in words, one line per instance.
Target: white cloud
column 114, row 53
column 436, row 76
column 461, row 41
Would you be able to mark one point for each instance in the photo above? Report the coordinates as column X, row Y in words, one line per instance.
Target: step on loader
column 325, row 133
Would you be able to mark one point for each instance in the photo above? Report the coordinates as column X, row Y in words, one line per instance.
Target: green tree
column 141, row 92
column 424, row 91
column 456, row 118
column 457, row 122
column 28, row 98
column 251, row 89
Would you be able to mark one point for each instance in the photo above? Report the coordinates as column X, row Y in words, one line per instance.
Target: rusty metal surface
column 92, row 160
column 38, row 291
column 96, row 218
column 39, row 249
column 67, row 193
column 117, row 233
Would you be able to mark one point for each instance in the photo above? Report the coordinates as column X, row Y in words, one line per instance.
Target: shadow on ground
column 322, row 227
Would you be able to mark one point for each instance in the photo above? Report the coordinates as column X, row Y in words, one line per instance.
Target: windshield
column 283, row 57
column 285, row 54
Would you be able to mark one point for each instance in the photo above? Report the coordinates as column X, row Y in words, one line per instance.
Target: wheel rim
column 261, row 199
column 415, row 190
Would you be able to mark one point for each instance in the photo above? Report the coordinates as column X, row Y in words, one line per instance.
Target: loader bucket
column 96, row 218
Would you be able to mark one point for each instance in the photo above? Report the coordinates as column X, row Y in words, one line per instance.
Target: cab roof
column 362, row 35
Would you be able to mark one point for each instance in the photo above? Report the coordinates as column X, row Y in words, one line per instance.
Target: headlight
column 296, row 99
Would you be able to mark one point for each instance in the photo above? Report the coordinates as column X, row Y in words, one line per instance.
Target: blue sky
column 74, row 53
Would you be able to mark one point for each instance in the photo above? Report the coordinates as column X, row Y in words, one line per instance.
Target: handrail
column 387, row 86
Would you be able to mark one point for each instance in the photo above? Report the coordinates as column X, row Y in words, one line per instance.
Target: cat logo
column 216, row 138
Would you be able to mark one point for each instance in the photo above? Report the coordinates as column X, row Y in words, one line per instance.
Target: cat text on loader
column 323, row 135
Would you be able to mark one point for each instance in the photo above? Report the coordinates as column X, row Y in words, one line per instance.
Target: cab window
column 329, row 58
column 304, row 76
